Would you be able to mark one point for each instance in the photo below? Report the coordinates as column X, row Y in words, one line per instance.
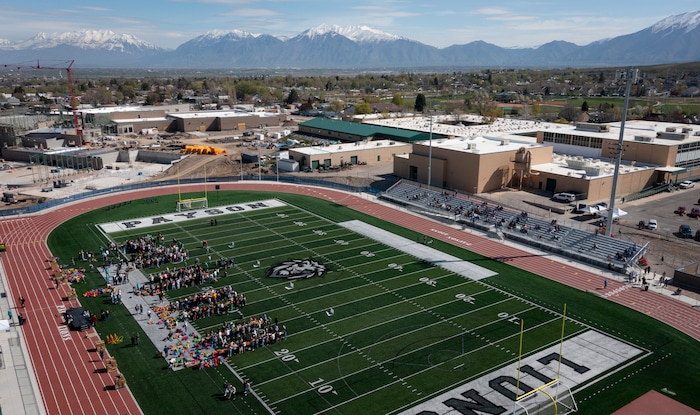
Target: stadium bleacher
column 591, row 247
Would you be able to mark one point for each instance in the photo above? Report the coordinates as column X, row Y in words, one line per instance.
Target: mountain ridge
column 670, row 40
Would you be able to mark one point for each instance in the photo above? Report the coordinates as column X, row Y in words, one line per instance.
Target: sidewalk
column 19, row 391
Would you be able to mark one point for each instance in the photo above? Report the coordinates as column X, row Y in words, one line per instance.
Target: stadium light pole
column 259, row 164
column 430, row 153
column 620, row 146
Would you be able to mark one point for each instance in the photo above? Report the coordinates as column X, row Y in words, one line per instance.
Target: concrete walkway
column 19, row 391
column 154, row 327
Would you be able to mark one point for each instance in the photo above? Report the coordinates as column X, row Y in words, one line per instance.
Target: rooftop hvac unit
column 670, row 129
column 505, row 142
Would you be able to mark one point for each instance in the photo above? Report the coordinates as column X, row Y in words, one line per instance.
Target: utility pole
column 620, row 147
column 430, row 153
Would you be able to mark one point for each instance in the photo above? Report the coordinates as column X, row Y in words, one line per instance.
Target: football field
column 375, row 322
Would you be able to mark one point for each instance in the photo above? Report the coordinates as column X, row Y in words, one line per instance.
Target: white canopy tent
column 595, row 210
column 617, row 212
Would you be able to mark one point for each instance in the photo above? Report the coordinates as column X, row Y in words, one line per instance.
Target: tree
column 420, row 103
column 97, row 97
column 363, row 108
column 584, row 106
column 336, row 105
column 491, row 112
column 245, row 89
column 397, row 100
column 569, row 112
column 292, row 97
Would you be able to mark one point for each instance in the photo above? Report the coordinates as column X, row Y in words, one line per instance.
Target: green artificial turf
column 371, row 313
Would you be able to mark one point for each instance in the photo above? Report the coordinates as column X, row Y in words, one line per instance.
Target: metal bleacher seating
column 591, row 247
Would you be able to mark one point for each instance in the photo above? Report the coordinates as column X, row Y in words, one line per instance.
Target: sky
column 440, row 23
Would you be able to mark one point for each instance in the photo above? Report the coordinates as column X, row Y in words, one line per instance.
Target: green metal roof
column 368, row 130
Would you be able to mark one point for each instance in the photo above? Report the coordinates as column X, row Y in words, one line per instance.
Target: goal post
column 552, row 397
column 194, row 203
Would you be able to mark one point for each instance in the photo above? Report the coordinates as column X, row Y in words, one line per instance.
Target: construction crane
column 69, row 72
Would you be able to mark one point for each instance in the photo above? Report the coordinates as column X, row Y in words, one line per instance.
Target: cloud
column 95, row 9
column 490, row 11
column 224, row 2
column 384, row 12
column 227, row 2
column 248, row 12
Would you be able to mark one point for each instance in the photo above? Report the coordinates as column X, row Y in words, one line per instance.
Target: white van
column 565, row 197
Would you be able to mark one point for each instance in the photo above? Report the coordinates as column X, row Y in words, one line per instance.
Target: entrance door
column 551, row 185
column 353, row 159
column 314, row 164
column 413, row 173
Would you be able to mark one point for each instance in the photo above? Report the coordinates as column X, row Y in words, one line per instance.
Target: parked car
column 564, row 197
column 685, row 232
column 652, row 225
column 686, row 184
column 697, row 235
column 681, row 210
column 694, row 213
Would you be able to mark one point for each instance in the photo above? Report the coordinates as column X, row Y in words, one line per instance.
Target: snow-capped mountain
column 87, row 47
column 84, row 39
column 673, row 39
column 219, row 35
column 682, row 22
column 359, row 34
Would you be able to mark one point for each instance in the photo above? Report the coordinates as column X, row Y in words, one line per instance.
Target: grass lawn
column 403, row 331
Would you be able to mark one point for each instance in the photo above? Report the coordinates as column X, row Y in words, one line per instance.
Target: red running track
column 69, row 375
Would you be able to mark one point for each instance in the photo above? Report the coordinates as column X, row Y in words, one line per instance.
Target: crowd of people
column 216, row 302
column 245, row 335
column 189, row 349
column 184, row 346
column 149, row 251
column 176, row 278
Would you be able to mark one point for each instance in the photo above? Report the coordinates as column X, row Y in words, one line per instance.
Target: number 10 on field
column 323, row 388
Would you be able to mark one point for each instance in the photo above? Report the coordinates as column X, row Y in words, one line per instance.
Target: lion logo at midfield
column 296, row 269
